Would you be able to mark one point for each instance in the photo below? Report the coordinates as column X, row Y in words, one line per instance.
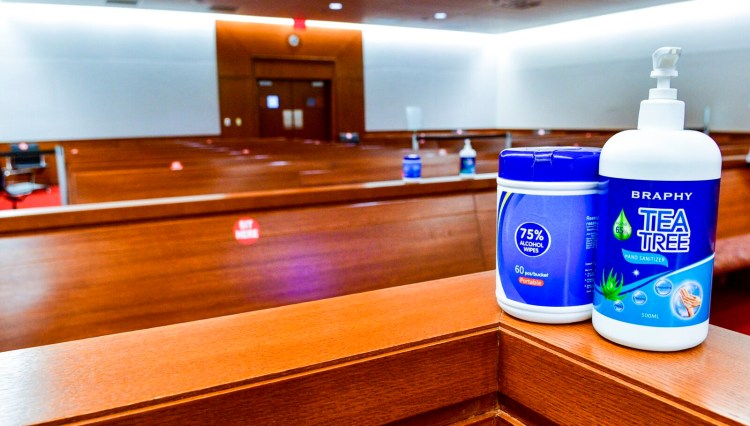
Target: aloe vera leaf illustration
column 611, row 286
column 622, row 229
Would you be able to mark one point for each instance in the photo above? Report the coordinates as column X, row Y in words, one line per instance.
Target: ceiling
column 483, row 16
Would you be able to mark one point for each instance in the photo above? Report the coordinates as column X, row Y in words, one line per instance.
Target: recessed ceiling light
column 335, row 6
column 440, row 15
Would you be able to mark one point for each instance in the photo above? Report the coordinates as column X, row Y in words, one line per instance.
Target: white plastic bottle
column 468, row 161
column 660, row 193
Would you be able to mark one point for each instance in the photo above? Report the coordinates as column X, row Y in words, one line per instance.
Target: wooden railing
column 438, row 352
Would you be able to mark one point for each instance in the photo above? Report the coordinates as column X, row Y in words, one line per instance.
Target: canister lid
column 412, row 157
column 550, row 164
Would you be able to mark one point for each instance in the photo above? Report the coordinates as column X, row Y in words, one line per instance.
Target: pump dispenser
column 468, row 155
column 662, row 110
column 657, row 224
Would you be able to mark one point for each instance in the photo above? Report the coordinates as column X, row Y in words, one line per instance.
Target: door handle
column 288, row 119
column 299, row 122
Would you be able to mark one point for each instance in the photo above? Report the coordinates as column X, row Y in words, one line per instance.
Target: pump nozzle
column 665, row 60
column 662, row 110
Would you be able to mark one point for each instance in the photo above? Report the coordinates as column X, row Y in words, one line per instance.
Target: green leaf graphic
column 611, row 286
column 622, row 228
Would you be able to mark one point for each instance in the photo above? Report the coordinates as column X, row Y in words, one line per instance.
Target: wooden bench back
column 74, row 282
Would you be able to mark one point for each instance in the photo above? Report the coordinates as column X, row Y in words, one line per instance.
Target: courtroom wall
column 565, row 76
column 66, row 73
column 67, row 76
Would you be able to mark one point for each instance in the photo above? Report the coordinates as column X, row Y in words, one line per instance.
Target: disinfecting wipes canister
column 547, row 224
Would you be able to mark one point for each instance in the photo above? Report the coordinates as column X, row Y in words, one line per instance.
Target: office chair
column 19, row 174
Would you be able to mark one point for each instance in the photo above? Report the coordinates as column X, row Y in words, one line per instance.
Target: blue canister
column 547, row 225
column 411, row 170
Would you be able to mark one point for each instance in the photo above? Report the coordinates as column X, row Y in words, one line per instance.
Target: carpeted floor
column 50, row 197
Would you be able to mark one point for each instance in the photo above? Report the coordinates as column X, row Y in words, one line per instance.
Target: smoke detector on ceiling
column 517, row 4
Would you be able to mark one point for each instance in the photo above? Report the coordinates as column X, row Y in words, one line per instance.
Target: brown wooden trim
column 126, row 211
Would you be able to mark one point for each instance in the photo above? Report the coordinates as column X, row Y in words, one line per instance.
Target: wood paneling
column 734, row 214
column 485, row 205
column 246, row 52
column 570, row 375
column 52, row 219
column 410, row 353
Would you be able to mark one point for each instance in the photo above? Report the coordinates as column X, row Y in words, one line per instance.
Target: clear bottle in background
column 660, row 194
column 468, row 161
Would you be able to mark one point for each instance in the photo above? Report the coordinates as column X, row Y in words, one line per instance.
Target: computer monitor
column 26, row 155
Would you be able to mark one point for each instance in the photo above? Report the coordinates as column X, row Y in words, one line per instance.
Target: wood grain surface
column 79, row 282
column 371, row 357
column 570, row 375
column 408, row 353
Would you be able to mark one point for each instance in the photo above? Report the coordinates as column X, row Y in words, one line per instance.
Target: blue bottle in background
column 411, row 170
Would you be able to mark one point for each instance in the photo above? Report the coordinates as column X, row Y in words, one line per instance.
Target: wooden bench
column 93, row 186
column 91, row 270
column 139, row 169
column 437, row 352
column 84, row 271
column 135, row 169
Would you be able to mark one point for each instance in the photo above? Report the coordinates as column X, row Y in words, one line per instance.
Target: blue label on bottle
column 412, row 169
column 468, row 165
column 656, row 251
column 546, row 248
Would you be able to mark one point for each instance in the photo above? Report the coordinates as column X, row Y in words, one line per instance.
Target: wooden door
column 294, row 108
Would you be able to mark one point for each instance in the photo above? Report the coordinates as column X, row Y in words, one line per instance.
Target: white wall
column 594, row 73
column 450, row 76
column 70, row 75
column 71, row 72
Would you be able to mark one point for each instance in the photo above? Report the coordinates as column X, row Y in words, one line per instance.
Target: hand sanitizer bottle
column 659, row 202
column 468, row 161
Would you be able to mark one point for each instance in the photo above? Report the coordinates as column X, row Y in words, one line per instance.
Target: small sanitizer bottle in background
column 468, row 160
column 660, row 194
column 411, row 168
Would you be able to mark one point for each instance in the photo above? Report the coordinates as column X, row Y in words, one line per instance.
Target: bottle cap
column 550, row 164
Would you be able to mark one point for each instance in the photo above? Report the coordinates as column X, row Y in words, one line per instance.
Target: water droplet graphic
column 622, row 229
column 619, row 306
column 663, row 287
column 639, row 298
